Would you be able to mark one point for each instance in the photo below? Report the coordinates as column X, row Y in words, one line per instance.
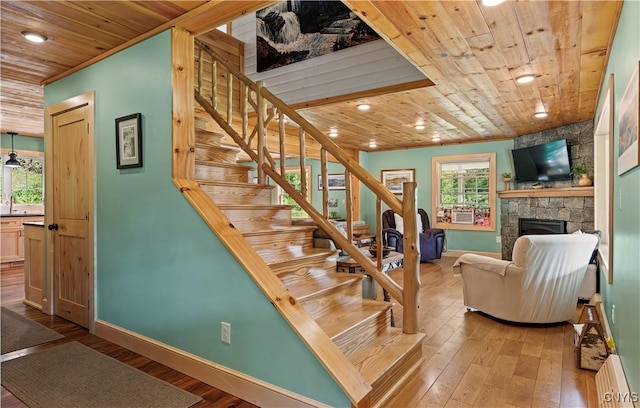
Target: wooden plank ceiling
column 472, row 53
column 77, row 31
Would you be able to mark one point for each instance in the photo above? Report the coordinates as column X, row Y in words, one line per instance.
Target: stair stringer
column 326, row 351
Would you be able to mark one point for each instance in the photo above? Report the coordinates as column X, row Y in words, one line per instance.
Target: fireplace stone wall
column 577, row 211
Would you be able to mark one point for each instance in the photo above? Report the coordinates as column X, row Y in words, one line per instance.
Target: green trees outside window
column 26, row 181
column 293, row 176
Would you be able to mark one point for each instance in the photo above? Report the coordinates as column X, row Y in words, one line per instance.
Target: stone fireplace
column 576, row 211
column 550, row 203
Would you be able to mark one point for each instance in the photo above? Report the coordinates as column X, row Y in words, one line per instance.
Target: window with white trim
column 603, row 169
column 464, row 191
column 22, row 188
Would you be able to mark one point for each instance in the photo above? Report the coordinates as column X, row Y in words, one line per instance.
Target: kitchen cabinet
column 34, row 267
column 12, row 238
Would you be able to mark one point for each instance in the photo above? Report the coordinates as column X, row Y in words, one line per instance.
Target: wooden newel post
column 411, row 259
column 262, row 132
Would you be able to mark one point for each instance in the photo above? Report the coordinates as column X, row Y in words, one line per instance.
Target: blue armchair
column 432, row 241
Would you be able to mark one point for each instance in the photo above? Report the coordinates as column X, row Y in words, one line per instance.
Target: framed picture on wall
column 334, row 182
column 628, row 123
column 393, row 179
column 129, row 141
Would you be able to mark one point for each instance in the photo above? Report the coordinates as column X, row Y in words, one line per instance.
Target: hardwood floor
column 470, row 360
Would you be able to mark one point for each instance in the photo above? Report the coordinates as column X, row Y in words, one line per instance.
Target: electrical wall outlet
column 499, row 239
column 225, row 332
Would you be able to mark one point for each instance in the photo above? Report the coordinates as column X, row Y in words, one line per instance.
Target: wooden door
column 72, row 203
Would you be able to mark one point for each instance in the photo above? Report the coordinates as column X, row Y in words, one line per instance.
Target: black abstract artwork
column 297, row 30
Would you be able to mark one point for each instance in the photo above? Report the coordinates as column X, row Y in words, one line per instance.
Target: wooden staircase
column 360, row 328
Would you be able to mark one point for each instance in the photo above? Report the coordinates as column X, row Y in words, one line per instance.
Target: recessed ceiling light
column 364, row 107
column 372, row 144
column 34, row 37
column 525, row 79
column 491, row 3
column 540, row 115
column 435, row 138
column 419, row 127
column 333, row 132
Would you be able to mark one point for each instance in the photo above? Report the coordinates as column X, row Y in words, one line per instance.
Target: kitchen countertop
column 21, row 215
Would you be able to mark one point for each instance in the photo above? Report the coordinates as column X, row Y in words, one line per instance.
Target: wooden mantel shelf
column 548, row 192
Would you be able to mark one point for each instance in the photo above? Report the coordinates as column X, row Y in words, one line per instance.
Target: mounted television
column 543, row 162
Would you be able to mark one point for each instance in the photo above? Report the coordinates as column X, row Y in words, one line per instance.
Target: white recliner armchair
column 540, row 285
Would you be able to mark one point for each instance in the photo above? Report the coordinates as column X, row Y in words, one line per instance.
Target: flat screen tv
column 543, row 162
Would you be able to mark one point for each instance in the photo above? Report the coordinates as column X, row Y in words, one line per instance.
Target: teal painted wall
column 34, row 144
column 624, row 293
column 420, row 160
column 160, row 271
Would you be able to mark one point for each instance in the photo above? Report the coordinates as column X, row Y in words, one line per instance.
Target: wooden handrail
column 363, row 260
column 266, row 166
column 363, row 175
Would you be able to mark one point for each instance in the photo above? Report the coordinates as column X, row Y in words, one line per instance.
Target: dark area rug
column 18, row 332
column 73, row 375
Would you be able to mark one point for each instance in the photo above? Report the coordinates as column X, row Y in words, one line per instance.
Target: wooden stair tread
column 208, row 137
column 233, row 184
column 309, row 285
column 384, row 351
column 279, row 230
column 339, row 313
column 217, row 147
column 251, row 207
column 300, row 253
column 222, row 164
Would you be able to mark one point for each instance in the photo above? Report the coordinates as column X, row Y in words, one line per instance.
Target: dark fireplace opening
column 534, row 226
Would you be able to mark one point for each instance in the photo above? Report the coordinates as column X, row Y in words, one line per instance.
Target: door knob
column 52, row 227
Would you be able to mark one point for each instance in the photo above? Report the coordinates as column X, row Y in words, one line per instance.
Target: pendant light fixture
column 12, row 162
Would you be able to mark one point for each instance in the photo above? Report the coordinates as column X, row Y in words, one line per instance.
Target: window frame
column 603, row 138
column 436, row 163
column 5, row 205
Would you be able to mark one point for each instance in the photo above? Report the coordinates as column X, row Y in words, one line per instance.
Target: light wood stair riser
column 351, row 326
column 388, row 361
column 315, row 283
column 239, row 194
column 280, row 241
column 341, row 313
column 358, row 336
column 398, row 375
column 206, row 137
column 215, row 153
column 303, row 264
column 252, row 218
column 222, row 172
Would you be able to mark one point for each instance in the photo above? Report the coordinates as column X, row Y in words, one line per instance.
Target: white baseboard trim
column 456, row 253
column 250, row 389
